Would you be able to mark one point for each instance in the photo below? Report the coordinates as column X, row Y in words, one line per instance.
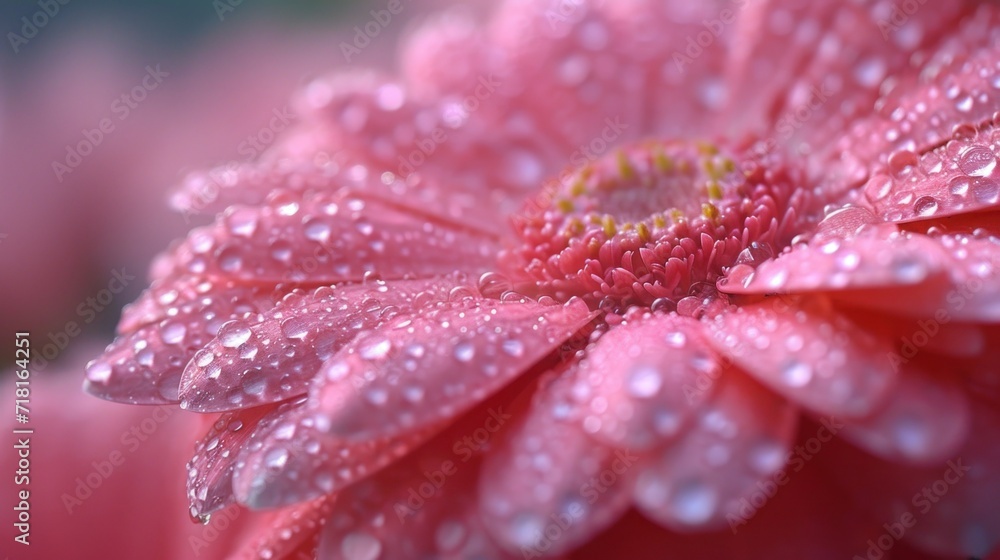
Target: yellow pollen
column 710, row 211
column 625, row 166
column 714, row 190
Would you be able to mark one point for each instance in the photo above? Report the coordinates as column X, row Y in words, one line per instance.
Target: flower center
column 655, row 224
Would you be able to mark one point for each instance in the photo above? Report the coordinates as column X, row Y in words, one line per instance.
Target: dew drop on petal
column 644, row 381
column 925, row 206
column 465, row 351
column 360, row 546
column 797, row 374
column 98, row 372
column 234, row 334
column 693, row 502
column 978, row 161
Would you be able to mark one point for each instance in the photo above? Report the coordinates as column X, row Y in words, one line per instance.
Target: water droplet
column 233, row 334
column 98, row 372
column 959, row 186
column 360, row 546
column 644, row 381
column 317, row 230
column 242, row 221
column 797, row 374
column 901, row 163
column 986, row 190
column 376, row 349
column 289, row 208
column 203, row 358
column 465, row 351
column 513, row 347
column 693, row 502
column 878, row 188
column 276, row 458
column 978, row 161
column 295, row 327
column 173, row 333
column 449, row 536
column 925, row 206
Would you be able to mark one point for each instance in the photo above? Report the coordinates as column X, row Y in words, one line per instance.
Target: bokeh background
column 83, row 211
column 65, row 229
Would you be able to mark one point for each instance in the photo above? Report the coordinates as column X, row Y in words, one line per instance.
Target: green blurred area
column 165, row 24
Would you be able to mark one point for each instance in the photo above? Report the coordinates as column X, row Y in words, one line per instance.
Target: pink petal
column 975, row 285
column 324, row 239
column 424, row 506
column 868, row 262
column 419, row 370
column 274, row 358
column 290, row 458
column 547, row 476
column 735, row 448
column 924, row 422
column 952, row 503
column 816, row 357
column 927, row 149
column 289, row 533
column 827, row 64
column 210, row 470
column 645, row 379
column 165, row 327
column 213, row 301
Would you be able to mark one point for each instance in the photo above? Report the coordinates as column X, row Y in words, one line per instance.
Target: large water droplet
column 925, row 206
column 797, row 374
column 465, row 351
column 360, row 546
column 98, row 372
column 233, row 334
column 693, row 502
column 978, row 161
column 644, row 381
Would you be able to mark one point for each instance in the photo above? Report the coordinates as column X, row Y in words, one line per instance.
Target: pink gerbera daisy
column 710, row 278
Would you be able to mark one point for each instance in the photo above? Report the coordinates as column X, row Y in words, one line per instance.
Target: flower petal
column 273, row 359
column 815, row 357
column 327, row 238
column 645, row 379
column 421, row 369
column 548, row 473
column 424, row 506
column 210, row 470
column 741, row 438
column 953, row 503
column 923, row 422
column 163, row 330
column 897, row 262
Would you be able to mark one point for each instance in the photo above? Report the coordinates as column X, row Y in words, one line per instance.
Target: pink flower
column 746, row 311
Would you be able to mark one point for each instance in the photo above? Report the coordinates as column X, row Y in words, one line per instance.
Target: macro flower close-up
column 570, row 279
